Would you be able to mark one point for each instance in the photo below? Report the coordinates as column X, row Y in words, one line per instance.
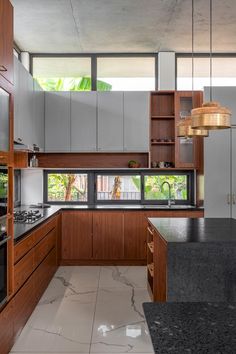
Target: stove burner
column 27, row 216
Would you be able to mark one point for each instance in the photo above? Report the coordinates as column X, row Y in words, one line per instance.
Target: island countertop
column 186, row 230
column 204, row 327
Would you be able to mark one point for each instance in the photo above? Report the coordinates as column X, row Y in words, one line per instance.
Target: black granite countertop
column 195, row 230
column 192, row 327
column 20, row 230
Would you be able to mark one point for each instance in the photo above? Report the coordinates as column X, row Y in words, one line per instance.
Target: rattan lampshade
column 211, row 116
column 185, row 130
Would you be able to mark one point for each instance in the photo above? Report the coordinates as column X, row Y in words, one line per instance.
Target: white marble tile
column 119, row 324
column 80, row 277
column 123, row 277
column 60, row 323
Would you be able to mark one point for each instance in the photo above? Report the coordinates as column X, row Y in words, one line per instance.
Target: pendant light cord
column 210, row 50
column 192, row 47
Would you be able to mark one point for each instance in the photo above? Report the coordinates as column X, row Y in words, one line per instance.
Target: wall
column 31, row 186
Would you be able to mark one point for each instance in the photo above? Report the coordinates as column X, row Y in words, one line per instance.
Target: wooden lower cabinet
column 77, row 233
column 108, row 235
column 6, row 329
column 134, row 235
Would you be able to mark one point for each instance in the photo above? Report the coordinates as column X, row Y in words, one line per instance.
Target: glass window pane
column 155, row 190
column 126, row 74
column 118, row 187
column 67, row 187
column 63, row 73
column 223, row 72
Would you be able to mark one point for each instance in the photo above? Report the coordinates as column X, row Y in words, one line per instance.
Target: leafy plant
column 71, row 84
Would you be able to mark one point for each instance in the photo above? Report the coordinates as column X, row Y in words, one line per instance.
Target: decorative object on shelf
column 34, row 161
column 154, row 164
column 184, row 127
column 133, row 164
column 211, row 115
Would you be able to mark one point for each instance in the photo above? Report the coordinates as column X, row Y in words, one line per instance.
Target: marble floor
column 89, row 310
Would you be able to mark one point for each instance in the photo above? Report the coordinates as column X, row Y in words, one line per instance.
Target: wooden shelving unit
column 150, row 262
column 162, row 127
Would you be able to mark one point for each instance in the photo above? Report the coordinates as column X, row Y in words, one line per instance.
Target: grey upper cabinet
column 83, row 121
column 38, row 116
column 233, row 137
column 136, row 121
column 57, row 121
column 217, row 174
column 219, row 160
column 110, row 121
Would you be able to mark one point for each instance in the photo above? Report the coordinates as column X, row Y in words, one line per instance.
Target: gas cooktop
column 27, row 216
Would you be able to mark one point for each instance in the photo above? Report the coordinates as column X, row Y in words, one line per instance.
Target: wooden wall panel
column 134, row 235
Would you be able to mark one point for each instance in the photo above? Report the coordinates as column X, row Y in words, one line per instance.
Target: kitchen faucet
column 170, row 202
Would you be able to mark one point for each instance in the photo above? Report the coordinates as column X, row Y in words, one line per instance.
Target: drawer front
column 6, row 329
column 44, row 273
column 23, row 247
column 44, row 230
column 23, row 269
column 44, row 247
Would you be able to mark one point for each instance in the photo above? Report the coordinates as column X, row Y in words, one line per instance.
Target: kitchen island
column 192, row 327
column 192, row 260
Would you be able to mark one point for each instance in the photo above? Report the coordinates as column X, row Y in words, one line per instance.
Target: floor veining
column 89, row 309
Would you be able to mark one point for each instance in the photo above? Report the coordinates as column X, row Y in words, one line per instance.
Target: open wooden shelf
column 163, row 143
column 163, row 117
column 151, row 246
column 151, row 269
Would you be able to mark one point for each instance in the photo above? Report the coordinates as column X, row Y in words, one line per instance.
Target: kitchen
column 117, row 210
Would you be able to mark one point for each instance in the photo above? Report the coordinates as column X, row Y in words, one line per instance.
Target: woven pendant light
column 185, row 130
column 211, row 115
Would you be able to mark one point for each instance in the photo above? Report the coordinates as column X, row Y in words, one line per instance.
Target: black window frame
column 71, row 171
column 92, row 186
column 190, row 188
column 113, row 201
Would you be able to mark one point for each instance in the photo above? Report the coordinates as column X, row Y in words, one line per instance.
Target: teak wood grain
column 23, row 269
column 77, row 229
column 134, row 235
column 6, row 329
column 108, row 235
column 160, row 268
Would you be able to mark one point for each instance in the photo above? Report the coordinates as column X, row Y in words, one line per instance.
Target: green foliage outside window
column 154, row 191
column 71, row 84
column 3, row 185
column 67, row 187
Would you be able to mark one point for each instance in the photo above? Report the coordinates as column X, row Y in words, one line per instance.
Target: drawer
column 23, row 269
column 40, row 233
column 44, row 246
column 6, row 328
column 23, row 247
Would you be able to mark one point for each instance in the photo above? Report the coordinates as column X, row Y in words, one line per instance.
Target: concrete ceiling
column 110, row 26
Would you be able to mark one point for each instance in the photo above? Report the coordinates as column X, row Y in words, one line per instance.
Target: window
column 156, row 190
column 223, row 72
column 118, row 187
column 69, row 187
column 63, row 73
column 126, row 74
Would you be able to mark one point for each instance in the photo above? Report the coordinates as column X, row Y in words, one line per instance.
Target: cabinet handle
column 150, row 231
column 233, row 198
column 19, row 139
column 3, row 68
column 228, row 199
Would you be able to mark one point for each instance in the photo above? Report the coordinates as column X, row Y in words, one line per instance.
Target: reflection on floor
column 89, row 310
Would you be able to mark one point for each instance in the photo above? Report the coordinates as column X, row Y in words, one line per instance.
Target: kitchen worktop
column 192, row 327
column 20, row 230
column 195, row 230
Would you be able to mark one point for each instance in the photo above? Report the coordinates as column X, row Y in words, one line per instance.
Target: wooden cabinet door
column 135, row 226
column 83, row 121
column 110, row 121
column 108, row 235
column 136, row 121
column 57, row 121
column 6, row 40
column 76, row 235
column 6, row 329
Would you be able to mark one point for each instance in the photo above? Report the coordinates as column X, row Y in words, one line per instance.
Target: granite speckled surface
column 195, row 230
column 192, row 327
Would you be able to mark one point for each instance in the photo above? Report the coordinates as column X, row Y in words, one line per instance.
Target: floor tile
column 119, row 324
column 79, row 277
column 123, row 277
